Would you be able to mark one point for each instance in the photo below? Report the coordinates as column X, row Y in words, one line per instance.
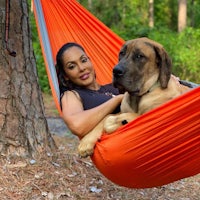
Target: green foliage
column 183, row 49
column 193, row 13
column 121, row 16
column 165, row 14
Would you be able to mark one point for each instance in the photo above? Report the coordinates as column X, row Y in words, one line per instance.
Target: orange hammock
column 157, row 148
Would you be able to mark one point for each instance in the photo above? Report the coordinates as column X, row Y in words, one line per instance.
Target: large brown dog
column 144, row 74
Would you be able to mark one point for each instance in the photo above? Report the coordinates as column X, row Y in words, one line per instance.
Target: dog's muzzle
column 118, row 75
column 120, row 80
column 118, row 71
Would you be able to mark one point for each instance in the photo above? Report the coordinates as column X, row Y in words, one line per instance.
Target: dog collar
column 155, row 85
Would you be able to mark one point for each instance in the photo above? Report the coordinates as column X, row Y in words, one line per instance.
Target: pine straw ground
column 63, row 175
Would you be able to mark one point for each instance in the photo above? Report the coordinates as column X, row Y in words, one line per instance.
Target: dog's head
column 142, row 63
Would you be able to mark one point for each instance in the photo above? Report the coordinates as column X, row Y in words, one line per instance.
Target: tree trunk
column 151, row 13
column 182, row 14
column 23, row 127
column 90, row 4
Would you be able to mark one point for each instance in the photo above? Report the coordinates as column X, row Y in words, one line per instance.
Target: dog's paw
column 111, row 124
column 86, row 148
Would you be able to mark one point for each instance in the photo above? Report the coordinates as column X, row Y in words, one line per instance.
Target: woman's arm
column 81, row 121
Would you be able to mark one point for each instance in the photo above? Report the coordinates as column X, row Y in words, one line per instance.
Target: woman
column 84, row 102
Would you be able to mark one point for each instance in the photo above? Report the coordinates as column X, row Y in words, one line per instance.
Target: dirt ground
column 63, row 175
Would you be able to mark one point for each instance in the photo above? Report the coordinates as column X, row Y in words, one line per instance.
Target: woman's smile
column 85, row 76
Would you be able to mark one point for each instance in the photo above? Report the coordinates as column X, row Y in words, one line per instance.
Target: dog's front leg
column 113, row 122
column 87, row 143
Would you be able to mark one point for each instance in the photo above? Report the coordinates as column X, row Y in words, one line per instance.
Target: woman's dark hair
column 60, row 67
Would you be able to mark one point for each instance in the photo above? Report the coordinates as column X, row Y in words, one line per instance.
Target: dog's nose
column 118, row 71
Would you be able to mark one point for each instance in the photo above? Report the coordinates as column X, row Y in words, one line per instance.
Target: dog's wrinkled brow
column 149, row 44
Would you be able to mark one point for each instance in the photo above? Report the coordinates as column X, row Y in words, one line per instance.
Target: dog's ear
column 165, row 65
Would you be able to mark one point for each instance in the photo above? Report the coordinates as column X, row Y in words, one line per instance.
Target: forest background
column 130, row 19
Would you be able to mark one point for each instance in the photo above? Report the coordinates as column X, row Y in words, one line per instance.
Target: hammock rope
column 157, row 148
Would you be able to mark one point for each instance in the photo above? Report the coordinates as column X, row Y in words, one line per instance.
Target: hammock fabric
column 157, row 148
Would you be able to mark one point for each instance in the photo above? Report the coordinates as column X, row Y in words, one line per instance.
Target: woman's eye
column 71, row 66
column 84, row 60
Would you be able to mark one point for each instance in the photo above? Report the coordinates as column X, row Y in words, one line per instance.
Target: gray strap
column 47, row 47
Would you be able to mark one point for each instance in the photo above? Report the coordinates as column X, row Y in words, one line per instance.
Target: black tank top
column 94, row 98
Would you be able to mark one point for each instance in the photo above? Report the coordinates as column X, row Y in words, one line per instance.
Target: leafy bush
column 183, row 49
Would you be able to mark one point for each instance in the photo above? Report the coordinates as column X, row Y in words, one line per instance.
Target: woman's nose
column 82, row 67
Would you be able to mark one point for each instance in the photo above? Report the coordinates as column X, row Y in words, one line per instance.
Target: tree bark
column 151, row 13
column 23, row 127
column 90, row 4
column 182, row 14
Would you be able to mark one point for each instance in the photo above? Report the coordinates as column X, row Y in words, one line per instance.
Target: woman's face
column 78, row 67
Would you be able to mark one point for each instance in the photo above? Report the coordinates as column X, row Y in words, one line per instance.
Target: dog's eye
column 138, row 56
column 121, row 54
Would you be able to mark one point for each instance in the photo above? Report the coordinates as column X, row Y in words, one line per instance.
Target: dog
column 144, row 75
